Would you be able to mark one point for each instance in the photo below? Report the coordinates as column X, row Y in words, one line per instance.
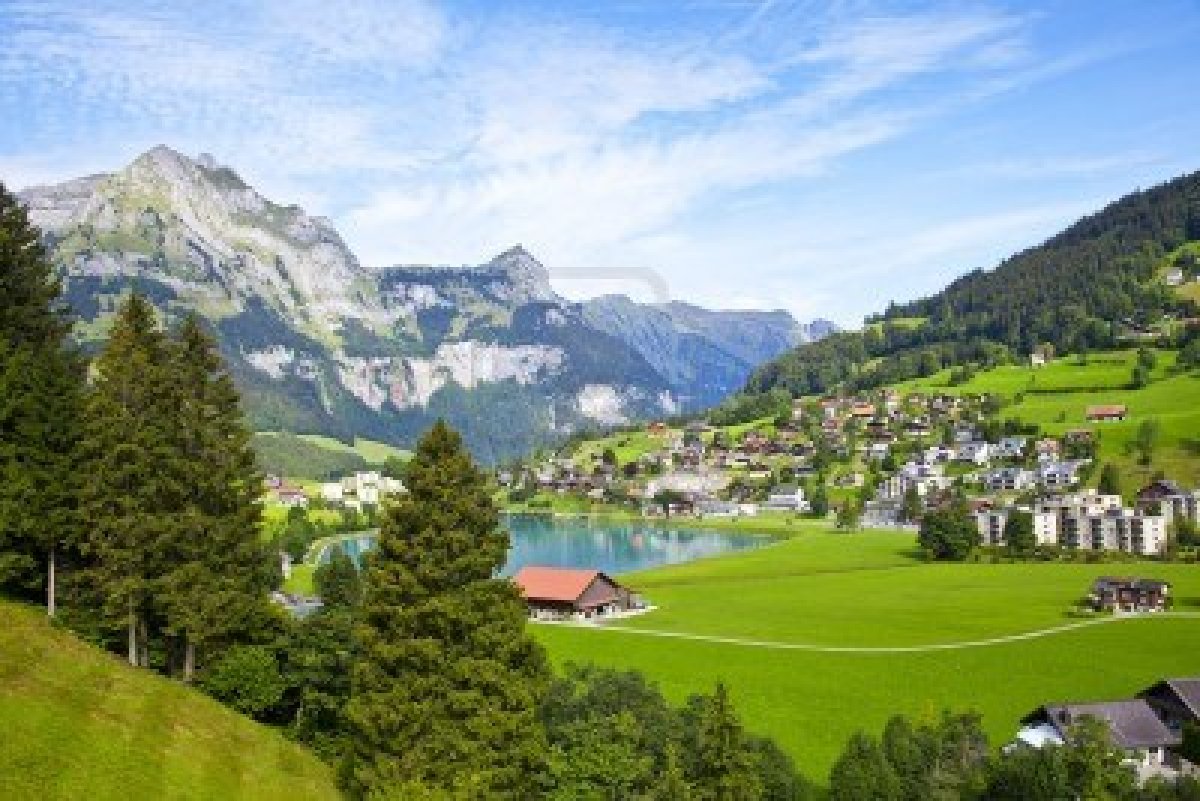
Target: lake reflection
column 612, row 547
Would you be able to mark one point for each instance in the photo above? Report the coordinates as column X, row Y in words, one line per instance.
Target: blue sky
column 820, row 157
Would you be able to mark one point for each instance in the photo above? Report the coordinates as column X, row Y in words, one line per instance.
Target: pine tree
column 217, row 570
column 41, row 384
column 725, row 768
column 131, row 478
column 338, row 582
column 445, row 688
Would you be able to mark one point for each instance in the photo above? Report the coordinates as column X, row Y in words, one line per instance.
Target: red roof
column 554, row 583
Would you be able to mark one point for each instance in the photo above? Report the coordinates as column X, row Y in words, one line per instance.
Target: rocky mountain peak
column 529, row 277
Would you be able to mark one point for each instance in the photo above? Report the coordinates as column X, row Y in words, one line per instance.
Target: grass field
column 1057, row 395
column 867, row 590
column 76, row 723
column 375, row 453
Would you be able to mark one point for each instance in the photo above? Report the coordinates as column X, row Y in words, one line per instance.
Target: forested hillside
column 1086, row 288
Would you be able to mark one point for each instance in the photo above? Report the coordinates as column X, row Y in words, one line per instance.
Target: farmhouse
column 1132, row 725
column 1110, row 411
column 1113, row 594
column 555, row 593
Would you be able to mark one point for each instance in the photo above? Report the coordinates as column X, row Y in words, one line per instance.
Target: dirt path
column 891, row 649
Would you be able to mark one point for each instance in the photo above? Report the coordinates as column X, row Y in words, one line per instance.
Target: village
column 878, row 460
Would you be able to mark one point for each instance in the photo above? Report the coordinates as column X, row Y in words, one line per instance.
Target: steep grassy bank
column 76, row 723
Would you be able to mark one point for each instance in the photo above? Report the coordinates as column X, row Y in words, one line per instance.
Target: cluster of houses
column 362, row 489
column 1149, row 728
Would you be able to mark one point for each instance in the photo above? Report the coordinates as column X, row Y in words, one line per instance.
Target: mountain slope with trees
column 1087, row 288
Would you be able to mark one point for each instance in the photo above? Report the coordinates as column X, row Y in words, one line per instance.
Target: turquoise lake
column 612, row 547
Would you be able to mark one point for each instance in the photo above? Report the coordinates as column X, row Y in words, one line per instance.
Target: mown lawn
column 76, row 723
column 867, row 589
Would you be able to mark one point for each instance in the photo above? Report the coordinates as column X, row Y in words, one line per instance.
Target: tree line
column 1076, row 292
column 948, row 757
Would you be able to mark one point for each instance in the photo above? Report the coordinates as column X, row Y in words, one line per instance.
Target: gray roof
column 1131, row 723
column 1188, row 691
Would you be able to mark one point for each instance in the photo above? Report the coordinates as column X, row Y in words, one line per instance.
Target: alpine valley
column 320, row 343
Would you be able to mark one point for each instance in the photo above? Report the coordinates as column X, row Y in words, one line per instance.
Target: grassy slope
column 1057, row 395
column 374, row 452
column 867, row 589
column 77, row 723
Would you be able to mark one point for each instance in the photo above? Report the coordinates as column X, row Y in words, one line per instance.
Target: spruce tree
column 132, row 484
column 724, row 767
column 41, row 384
column 445, row 688
column 217, row 570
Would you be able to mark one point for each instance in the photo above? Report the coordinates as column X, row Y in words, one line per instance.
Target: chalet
column 555, row 593
column 1106, row 412
column 1132, row 725
column 657, row 428
column 1113, row 594
column 1037, row 359
column 1047, row 449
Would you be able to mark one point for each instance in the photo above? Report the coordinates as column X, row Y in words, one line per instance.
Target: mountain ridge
column 320, row 343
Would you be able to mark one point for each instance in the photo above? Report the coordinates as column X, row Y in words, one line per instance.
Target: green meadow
column 75, row 722
column 868, row 590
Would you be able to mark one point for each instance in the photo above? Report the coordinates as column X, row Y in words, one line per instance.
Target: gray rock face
column 704, row 354
column 320, row 343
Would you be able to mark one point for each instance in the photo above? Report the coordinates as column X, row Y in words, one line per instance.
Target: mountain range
column 320, row 343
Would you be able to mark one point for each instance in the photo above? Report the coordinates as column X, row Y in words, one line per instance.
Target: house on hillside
column 556, row 593
column 1132, row 725
column 1114, row 594
column 1106, row 412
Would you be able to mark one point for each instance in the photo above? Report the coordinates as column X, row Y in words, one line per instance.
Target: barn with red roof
column 557, row 593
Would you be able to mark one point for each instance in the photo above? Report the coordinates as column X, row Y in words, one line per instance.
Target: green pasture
column 79, row 723
column 869, row 590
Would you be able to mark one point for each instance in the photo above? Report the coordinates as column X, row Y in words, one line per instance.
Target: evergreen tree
column 672, row 784
column 132, row 484
column 724, row 767
column 41, row 385
column 217, row 572
column 445, row 687
column 863, row 773
column 337, row 581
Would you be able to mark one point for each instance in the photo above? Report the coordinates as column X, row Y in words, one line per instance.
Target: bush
column 246, row 678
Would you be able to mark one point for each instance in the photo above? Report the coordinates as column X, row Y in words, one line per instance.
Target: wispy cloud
column 443, row 132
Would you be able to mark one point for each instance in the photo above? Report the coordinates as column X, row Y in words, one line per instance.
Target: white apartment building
column 991, row 526
column 1086, row 521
